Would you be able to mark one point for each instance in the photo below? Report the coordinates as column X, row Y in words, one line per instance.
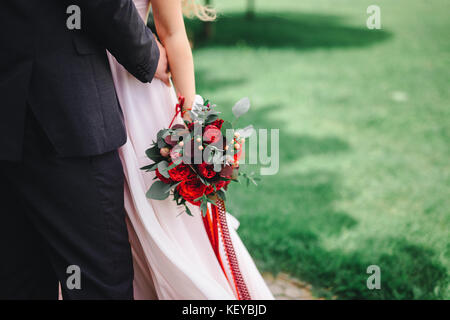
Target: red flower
column 171, row 140
column 162, row 178
column 209, row 189
column 227, row 171
column 180, row 172
column 212, row 134
column 222, row 184
column 192, row 126
column 206, row 170
column 219, row 185
column 191, row 190
column 217, row 123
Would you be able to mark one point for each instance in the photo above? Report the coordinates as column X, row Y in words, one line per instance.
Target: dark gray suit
column 61, row 180
column 64, row 75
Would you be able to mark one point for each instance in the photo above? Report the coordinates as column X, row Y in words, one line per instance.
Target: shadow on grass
column 285, row 29
column 209, row 80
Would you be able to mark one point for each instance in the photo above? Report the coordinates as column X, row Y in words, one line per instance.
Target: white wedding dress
column 173, row 258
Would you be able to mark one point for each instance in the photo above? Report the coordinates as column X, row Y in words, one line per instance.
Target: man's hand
column 162, row 71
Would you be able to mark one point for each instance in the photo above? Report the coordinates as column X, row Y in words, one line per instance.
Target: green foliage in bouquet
column 195, row 162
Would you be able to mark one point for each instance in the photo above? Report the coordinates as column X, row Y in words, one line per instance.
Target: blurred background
column 364, row 119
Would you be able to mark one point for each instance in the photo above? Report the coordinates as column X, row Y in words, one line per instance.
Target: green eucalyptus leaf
column 173, row 165
column 161, row 133
column 150, row 167
column 159, row 191
column 153, row 152
column 204, row 207
column 241, row 107
column 246, row 132
column 188, row 211
column 211, row 118
column 160, row 138
column 222, row 194
column 217, row 167
column 163, row 169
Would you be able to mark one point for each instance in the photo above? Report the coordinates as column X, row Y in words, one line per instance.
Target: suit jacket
column 63, row 75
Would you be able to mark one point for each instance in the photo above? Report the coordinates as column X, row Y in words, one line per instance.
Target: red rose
column 219, row 185
column 226, row 172
column 180, row 172
column 206, row 170
column 209, row 189
column 162, row 178
column 193, row 126
column 191, row 190
column 217, row 123
column 222, row 184
column 212, row 134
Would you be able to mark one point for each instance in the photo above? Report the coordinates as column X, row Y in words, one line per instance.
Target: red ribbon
column 178, row 109
column 219, row 224
column 213, row 235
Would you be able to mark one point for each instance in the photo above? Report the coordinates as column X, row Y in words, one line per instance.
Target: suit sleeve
column 117, row 25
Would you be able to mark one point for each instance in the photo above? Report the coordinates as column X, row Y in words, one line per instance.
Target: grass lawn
column 364, row 119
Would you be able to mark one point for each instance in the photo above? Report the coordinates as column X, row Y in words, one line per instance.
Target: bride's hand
column 188, row 103
column 187, row 116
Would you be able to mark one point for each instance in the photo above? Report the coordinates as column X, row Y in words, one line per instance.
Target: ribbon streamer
column 218, row 225
column 178, row 109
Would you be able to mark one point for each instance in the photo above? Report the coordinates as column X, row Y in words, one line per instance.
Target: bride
column 172, row 255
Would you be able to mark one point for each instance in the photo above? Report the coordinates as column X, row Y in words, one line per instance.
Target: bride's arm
column 171, row 30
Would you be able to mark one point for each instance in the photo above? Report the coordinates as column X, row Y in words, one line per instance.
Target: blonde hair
column 191, row 8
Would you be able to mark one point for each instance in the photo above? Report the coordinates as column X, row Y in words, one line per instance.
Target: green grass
column 364, row 119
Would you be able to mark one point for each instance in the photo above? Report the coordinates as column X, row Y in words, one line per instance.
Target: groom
column 62, row 214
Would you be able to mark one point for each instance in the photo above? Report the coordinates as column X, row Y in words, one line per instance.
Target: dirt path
column 284, row 287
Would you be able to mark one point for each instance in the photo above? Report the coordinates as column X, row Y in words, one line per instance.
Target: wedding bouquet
column 196, row 162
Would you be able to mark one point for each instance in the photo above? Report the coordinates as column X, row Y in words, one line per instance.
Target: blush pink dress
column 172, row 255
